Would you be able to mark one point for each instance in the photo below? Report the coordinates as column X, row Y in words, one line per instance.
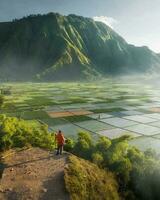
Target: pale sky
column 138, row 21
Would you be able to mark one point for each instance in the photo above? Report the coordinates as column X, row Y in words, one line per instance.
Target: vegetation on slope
column 16, row 132
column 135, row 170
column 126, row 170
column 56, row 47
column 85, row 180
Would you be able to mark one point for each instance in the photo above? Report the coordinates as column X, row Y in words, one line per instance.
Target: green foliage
column 97, row 158
column 19, row 133
column 85, row 180
column 135, row 170
column 79, row 118
column 83, row 146
column 103, row 144
column 77, row 48
column 145, row 176
column 1, row 101
column 147, row 184
column 69, row 145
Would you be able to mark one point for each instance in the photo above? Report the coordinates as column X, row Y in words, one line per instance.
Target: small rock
column 44, row 190
column 11, row 169
column 8, row 189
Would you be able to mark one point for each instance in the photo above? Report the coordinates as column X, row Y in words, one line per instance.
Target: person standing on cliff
column 60, row 139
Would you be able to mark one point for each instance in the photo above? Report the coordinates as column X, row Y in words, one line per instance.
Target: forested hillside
column 55, row 47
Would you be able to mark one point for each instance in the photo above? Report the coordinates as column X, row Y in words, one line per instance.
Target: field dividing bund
column 108, row 108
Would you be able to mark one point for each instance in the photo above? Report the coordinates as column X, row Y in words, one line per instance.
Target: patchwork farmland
column 107, row 108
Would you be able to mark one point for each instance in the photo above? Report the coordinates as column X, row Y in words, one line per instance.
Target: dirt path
column 33, row 174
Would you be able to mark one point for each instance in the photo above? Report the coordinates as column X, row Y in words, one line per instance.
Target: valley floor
column 110, row 108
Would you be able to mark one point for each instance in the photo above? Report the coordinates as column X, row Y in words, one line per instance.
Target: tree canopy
column 16, row 132
column 137, row 172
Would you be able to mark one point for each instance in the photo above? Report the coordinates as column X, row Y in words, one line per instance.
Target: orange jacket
column 60, row 139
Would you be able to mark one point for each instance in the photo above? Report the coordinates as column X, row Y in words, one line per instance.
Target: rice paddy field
column 110, row 108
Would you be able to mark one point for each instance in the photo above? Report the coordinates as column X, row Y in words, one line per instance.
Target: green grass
column 107, row 110
column 39, row 101
column 54, row 121
column 29, row 115
column 35, row 115
column 79, row 118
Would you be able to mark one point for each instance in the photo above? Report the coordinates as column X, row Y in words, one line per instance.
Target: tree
column 103, row 144
column 83, row 146
column 69, row 145
column 97, row 158
column 137, row 172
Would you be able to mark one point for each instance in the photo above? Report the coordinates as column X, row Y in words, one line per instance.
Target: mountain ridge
column 56, row 47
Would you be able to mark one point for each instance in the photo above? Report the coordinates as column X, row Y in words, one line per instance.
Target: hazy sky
column 138, row 21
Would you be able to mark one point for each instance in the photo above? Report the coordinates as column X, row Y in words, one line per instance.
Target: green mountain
column 55, row 47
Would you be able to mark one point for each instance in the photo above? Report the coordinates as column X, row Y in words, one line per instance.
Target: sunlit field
column 111, row 108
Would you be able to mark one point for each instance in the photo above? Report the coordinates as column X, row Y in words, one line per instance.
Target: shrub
column 97, row 158
column 19, row 133
column 69, row 145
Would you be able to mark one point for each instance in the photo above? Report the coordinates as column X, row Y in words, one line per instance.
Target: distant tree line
column 33, row 16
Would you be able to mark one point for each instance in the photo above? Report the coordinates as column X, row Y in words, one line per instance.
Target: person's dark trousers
column 60, row 149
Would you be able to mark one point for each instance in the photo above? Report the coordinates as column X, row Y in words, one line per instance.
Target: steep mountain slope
column 56, row 47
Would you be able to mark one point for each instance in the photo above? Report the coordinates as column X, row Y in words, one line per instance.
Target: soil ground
column 33, row 174
column 68, row 113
